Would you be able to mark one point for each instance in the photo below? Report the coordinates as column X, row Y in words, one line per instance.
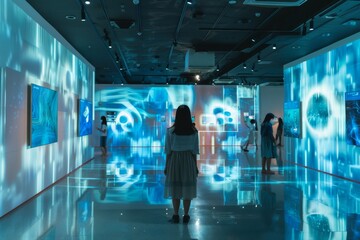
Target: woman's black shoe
column 175, row 219
column 186, row 219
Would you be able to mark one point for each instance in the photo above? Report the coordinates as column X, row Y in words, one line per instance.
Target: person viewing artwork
column 103, row 137
column 279, row 131
column 181, row 171
column 251, row 137
column 268, row 144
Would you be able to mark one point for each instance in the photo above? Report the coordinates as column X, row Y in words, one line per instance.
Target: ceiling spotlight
column 217, row 68
column 197, row 77
column 253, row 68
column 232, row 1
column 274, row 46
column 259, row 58
column 109, row 41
column 244, row 66
column 83, row 17
column 189, row 2
column 117, row 59
column 87, row 2
column 167, row 67
column 311, row 27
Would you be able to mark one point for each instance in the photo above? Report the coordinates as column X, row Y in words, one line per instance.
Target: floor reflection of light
column 197, row 222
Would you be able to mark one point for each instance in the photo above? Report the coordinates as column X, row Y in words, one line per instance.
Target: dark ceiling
column 170, row 41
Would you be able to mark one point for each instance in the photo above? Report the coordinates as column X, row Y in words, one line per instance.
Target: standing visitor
column 279, row 131
column 103, row 137
column 268, row 144
column 181, row 148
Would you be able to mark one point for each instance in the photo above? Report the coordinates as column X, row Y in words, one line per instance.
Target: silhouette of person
column 103, row 137
column 268, row 145
column 181, row 148
column 279, row 131
column 252, row 125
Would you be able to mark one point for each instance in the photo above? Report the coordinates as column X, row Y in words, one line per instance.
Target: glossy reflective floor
column 121, row 197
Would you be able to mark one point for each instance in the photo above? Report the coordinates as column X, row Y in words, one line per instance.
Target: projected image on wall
column 329, row 116
column 352, row 106
column 44, row 116
column 292, row 119
column 85, row 117
column 142, row 114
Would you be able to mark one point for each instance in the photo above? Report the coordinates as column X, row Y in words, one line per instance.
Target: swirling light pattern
column 320, row 83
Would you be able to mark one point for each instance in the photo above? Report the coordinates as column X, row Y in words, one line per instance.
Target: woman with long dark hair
column 268, row 144
column 279, row 131
column 181, row 148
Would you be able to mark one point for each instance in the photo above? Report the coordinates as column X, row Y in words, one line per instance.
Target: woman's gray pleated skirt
column 181, row 177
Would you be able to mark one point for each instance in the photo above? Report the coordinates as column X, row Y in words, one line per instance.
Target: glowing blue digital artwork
column 44, row 115
column 85, row 117
column 330, row 132
column 41, row 78
column 352, row 118
column 292, row 119
column 140, row 115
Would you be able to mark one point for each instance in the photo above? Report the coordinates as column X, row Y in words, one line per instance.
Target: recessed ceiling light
column 70, row 17
column 351, row 22
column 87, row 2
column 232, row 1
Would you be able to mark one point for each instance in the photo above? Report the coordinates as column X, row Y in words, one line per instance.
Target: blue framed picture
column 85, row 117
column 352, row 112
column 292, row 119
column 44, row 116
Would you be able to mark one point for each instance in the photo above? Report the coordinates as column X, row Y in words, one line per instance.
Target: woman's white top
column 103, row 130
column 175, row 142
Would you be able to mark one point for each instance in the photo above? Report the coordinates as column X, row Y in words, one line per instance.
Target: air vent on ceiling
column 199, row 62
column 275, row 3
column 223, row 81
column 122, row 23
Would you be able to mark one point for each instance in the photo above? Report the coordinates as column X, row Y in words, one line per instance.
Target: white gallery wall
column 32, row 52
column 271, row 100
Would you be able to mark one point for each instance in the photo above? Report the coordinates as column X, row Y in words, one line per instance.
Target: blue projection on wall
column 85, row 117
column 330, row 128
column 32, row 52
column 140, row 115
column 44, row 116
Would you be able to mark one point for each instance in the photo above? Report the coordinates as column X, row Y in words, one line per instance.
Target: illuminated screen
column 292, row 119
column 140, row 115
column 320, row 82
column 44, row 116
column 85, row 117
column 352, row 106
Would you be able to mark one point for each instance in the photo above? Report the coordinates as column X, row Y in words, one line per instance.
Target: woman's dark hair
column 253, row 121
column 183, row 123
column 280, row 121
column 268, row 117
column 103, row 120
